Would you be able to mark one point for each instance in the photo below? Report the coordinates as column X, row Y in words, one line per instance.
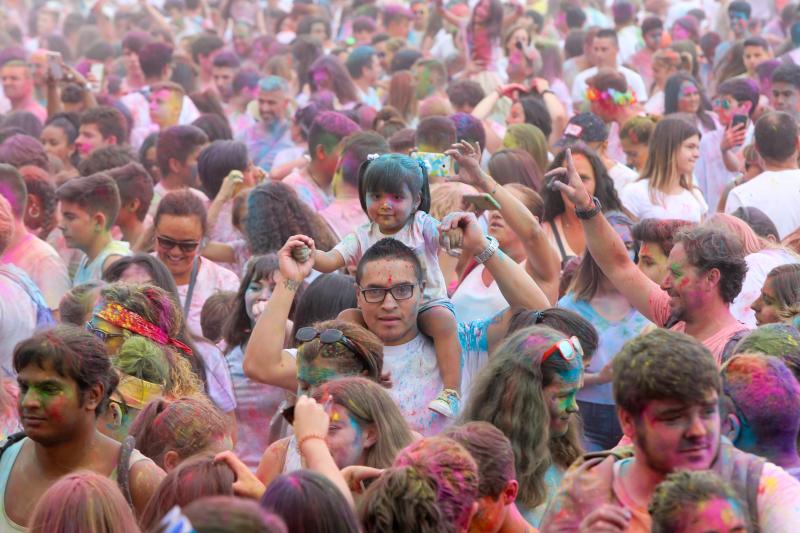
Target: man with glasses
column 667, row 390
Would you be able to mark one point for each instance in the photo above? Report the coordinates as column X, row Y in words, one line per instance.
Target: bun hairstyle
column 389, row 173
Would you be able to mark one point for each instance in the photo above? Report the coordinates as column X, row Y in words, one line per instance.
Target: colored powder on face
column 676, row 270
column 315, row 375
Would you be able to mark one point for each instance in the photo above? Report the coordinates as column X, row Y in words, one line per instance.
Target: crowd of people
column 353, row 266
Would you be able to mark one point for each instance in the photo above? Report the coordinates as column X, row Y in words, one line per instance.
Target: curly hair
column 275, row 213
column 516, row 366
column 712, row 247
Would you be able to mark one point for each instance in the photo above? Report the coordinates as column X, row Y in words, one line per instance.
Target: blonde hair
column 83, row 501
column 448, row 198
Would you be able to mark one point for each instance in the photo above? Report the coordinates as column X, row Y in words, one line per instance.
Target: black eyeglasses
column 100, row 334
column 328, row 336
column 185, row 246
column 376, row 295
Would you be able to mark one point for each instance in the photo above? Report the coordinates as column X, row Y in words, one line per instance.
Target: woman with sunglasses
column 180, row 229
column 542, row 370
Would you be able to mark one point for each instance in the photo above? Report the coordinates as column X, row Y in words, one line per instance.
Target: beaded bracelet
column 302, row 441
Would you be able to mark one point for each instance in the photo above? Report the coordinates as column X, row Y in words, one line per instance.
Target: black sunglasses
column 329, row 336
column 185, row 246
column 100, row 334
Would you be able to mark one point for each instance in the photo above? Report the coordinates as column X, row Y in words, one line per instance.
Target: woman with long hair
column 666, row 63
column 595, row 298
column 666, row 189
column 559, row 220
column 513, row 165
column 257, row 404
column 780, row 296
column 328, row 73
column 366, row 429
column 540, row 369
column 529, row 138
column 683, row 94
column 761, row 256
column 402, row 96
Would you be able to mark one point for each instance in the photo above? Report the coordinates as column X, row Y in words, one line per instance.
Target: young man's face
column 785, row 97
column 393, row 321
column 165, row 107
column 725, row 106
column 653, row 262
column 754, row 56
column 50, row 405
column 223, row 81
column 90, row 139
column 653, row 39
column 670, row 435
column 738, row 22
column 77, row 225
column 604, row 52
column 17, row 82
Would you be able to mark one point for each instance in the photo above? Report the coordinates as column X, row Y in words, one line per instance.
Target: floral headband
column 115, row 314
column 611, row 96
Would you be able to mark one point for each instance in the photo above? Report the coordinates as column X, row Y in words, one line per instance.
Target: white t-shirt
column 211, row 278
column 635, row 83
column 473, row 300
column 776, row 193
column 758, row 266
column 17, row 321
column 622, row 176
column 218, row 377
column 685, row 205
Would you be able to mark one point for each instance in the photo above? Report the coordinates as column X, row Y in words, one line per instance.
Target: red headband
column 115, row 314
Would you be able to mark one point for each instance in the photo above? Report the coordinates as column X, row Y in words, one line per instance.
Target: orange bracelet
column 302, row 441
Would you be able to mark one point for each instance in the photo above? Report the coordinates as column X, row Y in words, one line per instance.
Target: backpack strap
column 123, row 470
column 10, row 441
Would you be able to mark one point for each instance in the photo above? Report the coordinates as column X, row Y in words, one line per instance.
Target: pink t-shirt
column 344, row 216
column 211, row 278
column 660, row 311
column 44, row 266
column 307, row 190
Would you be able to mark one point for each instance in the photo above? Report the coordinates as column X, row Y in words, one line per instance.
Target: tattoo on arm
column 292, row 285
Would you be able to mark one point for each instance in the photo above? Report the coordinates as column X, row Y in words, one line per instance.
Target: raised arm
column 265, row 360
column 327, row 262
column 516, row 286
column 543, row 263
column 604, row 244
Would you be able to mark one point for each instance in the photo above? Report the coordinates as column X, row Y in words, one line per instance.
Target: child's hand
column 468, row 158
column 473, row 241
column 291, row 268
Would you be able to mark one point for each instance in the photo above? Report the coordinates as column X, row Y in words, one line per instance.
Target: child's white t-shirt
column 421, row 234
column 686, row 205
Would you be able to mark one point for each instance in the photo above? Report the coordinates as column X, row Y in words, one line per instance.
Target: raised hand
column 468, row 157
column 473, row 241
column 567, row 180
column 290, row 267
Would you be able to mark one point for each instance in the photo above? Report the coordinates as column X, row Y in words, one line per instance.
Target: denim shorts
column 601, row 427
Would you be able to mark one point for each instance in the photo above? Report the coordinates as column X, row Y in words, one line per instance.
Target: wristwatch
column 489, row 251
column 586, row 214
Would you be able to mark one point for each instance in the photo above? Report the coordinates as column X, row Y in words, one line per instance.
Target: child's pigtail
column 425, row 191
column 362, row 170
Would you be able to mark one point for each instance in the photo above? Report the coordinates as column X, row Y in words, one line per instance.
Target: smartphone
column 439, row 166
column 738, row 119
column 98, row 71
column 54, row 65
column 484, row 202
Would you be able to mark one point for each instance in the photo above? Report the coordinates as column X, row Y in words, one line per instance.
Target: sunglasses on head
column 102, row 335
column 567, row 348
column 185, row 246
column 328, row 336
